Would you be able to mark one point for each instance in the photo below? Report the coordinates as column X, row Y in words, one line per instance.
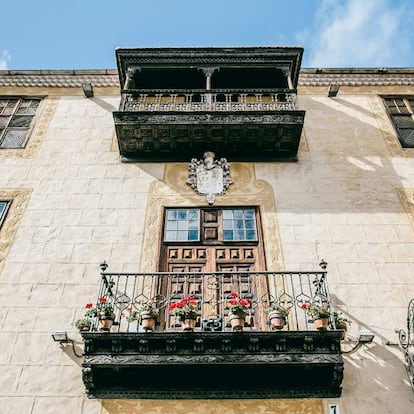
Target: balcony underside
column 182, row 365
column 178, row 136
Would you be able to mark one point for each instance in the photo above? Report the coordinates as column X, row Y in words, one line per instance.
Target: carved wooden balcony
column 213, row 361
column 237, row 102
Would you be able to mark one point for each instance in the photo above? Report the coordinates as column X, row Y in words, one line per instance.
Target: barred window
column 4, row 206
column 16, row 119
column 401, row 112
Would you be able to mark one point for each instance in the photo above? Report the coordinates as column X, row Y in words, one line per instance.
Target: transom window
column 226, row 224
column 401, row 111
column 4, row 205
column 16, row 119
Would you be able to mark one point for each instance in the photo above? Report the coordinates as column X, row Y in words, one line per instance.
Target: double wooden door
column 212, row 268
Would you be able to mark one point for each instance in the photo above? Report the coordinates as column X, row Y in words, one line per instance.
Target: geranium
column 149, row 306
column 102, row 309
column 316, row 311
column 237, row 304
column 186, row 308
column 277, row 306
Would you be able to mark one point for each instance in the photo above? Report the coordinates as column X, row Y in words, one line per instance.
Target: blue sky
column 83, row 34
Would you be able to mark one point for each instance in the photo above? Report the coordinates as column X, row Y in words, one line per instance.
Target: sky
column 83, row 34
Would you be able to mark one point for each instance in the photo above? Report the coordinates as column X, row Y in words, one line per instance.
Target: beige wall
column 347, row 200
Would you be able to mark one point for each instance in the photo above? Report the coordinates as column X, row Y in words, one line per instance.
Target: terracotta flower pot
column 321, row 323
column 105, row 322
column 148, row 320
column 277, row 320
column 237, row 321
column 188, row 324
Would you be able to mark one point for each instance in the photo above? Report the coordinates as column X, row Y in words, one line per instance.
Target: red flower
column 102, row 300
column 234, row 302
column 129, row 308
column 173, row 306
column 244, row 302
column 233, row 295
column 88, row 306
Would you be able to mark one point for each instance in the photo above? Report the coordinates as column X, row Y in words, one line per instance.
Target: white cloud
column 355, row 33
column 4, row 59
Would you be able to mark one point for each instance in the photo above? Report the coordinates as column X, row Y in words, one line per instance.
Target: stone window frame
column 4, row 210
column 18, row 199
column 400, row 110
column 9, row 117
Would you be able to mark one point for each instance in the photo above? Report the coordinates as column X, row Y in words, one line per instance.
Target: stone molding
column 41, row 121
column 387, row 129
column 19, row 198
column 173, row 191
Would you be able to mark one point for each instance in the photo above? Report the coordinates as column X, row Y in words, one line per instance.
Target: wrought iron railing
column 127, row 292
column 407, row 342
column 225, row 100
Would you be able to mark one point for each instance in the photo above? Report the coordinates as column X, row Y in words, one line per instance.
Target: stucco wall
column 347, row 200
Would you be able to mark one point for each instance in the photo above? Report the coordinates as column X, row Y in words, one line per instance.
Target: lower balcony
column 213, row 359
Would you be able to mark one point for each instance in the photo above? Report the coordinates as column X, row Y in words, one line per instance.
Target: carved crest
column 208, row 176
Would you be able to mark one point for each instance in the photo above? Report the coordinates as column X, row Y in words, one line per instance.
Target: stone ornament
column 208, row 176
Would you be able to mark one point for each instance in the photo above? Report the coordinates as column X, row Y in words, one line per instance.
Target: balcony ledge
column 182, row 365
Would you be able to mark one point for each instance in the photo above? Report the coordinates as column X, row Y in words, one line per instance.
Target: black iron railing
column 127, row 292
column 407, row 342
column 225, row 100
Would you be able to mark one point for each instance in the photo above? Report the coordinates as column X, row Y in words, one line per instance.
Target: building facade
column 215, row 174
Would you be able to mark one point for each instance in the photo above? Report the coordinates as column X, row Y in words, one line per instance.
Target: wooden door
column 217, row 257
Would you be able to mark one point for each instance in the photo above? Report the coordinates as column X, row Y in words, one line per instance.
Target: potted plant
column 146, row 315
column 277, row 315
column 84, row 324
column 187, row 310
column 238, row 308
column 319, row 314
column 104, row 311
column 341, row 323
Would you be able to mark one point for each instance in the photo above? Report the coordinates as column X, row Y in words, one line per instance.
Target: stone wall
column 348, row 200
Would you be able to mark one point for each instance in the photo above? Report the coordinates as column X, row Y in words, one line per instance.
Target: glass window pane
column 228, row 224
column 14, row 138
column 21, row 121
column 193, row 214
column 239, row 235
column 193, row 225
column 182, row 225
column 171, row 214
column 238, row 214
column 250, row 235
column 249, row 224
column 193, row 235
column 227, row 235
column 249, row 214
column 227, row 214
column 182, row 214
column 170, row 235
column 182, row 236
column 239, row 224
column 171, row 225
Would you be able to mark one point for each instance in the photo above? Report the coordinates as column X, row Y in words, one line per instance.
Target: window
column 197, row 225
column 4, row 206
column 16, row 119
column 401, row 110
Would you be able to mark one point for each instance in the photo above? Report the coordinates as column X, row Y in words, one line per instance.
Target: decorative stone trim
column 303, row 406
column 41, row 121
column 406, row 196
column 19, row 198
column 173, row 191
column 387, row 129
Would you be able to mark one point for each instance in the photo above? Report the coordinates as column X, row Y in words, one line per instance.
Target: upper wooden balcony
column 178, row 103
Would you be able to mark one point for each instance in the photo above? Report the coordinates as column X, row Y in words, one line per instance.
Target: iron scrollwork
column 406, row 339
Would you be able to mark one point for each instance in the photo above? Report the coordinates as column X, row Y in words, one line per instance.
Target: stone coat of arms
column 208, row 176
